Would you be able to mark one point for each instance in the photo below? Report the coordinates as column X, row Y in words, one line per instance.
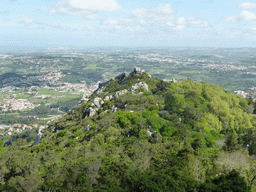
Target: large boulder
column 98, row 102
column 106, row 98
column 114, row 109
column 90, row 111
column 135, row 87
column 150, row 131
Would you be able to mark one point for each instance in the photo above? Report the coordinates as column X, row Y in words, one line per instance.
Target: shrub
column 100, row 110
column 154, row 107
column 72, row 143
column 146, row 93
column 61, row 133
column 77, row 134
column 106, row 103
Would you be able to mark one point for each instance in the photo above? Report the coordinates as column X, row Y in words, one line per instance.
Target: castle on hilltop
column 124, row 75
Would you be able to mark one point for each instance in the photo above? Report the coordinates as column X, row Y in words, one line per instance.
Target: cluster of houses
column 18, row 128
column 19, row 104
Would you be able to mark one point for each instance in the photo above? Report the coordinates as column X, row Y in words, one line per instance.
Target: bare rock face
column 90, row 111
column 118, row 93
column 114, row 109
column 106, row 98
column 135, row 87
column 85, row 97
column 150, row 131
column 98, row 102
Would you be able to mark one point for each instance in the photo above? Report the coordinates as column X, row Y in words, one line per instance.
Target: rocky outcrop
column 85, row 98
column 120, row 77
column 95, row 106
column 106, row 98
column 90, row 112
column 98, row 102
column 135, row 87
column 118, row 93
column 150, row 131
column 114, row 109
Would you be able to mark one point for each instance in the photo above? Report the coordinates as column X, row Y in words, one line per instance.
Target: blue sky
column 61, row 23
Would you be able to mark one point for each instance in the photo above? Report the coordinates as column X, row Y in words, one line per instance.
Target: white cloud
column 248, row 5
column 181, row 21
column 91, row 16
column 89, row 7
column 153, row 19
column 28, row 21
column 248, row 15
column 244, row 16
column 195, row 22
column 178, row 27
column 110, row 22
column 120, row 22
column 91, row 28
column 169, row 24
column 118, row 27
column 162, row 11
column 55, row 25
column 232, row 18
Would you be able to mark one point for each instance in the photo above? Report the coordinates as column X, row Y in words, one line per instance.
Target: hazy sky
column 54, row 23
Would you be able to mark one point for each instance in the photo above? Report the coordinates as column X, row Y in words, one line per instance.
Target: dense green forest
column 183, row 136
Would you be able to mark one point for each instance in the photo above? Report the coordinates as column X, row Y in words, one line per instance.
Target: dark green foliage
column 61, row 133
column 161, row 87
column 198, row 143
column 226, row 182
column 249, row 140
column 231, row 143
column 100, row 111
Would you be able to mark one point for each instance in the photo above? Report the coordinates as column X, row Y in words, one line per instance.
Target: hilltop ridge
column 137, row 132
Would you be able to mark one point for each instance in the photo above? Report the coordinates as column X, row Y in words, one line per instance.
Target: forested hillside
column 140, row 133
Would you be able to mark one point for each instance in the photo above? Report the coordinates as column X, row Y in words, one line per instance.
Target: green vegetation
column 23, row 96
column 184, row 136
